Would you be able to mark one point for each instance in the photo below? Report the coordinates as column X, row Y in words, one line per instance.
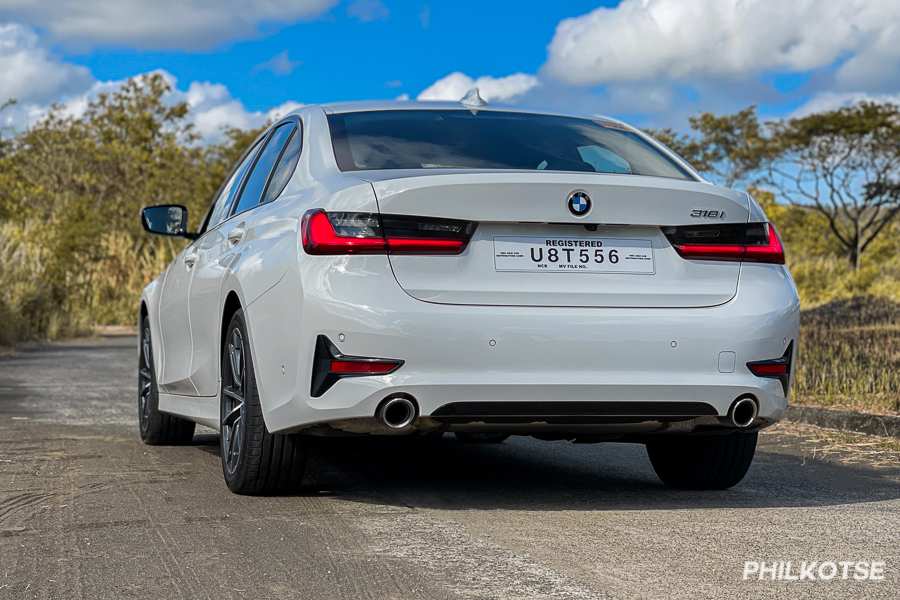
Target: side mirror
column 166, row 219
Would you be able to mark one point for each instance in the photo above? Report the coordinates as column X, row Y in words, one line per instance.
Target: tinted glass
column 256, row 181
column 226, row 197
column 459, row 139
column 285, row 167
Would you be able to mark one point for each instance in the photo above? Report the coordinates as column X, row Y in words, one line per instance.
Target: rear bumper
column 485, row 354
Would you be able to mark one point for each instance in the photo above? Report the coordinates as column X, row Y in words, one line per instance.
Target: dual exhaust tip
column 398, row 412
column 743, row 412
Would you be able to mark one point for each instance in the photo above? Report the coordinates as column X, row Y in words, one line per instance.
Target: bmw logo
column 579, row 203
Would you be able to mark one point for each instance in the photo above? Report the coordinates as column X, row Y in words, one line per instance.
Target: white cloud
column 833, row 100
column 647, row 40
column 368, row 10
column 273, row 114
column 877, row 65
column 37, row 80
column 212, row 109
column 455, row 85
column 280, row 64
column 184, row 24
column 29, row 73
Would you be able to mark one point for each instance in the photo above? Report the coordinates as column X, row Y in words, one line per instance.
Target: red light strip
column 401, row 245
column 768, row 369
column 362, row 367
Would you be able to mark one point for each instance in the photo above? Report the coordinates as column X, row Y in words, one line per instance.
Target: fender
column 150, row 300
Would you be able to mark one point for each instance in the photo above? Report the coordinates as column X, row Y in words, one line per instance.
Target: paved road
column 86, row 511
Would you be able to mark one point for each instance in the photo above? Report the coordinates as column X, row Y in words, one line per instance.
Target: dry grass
column 820, row 443
column 850, row 356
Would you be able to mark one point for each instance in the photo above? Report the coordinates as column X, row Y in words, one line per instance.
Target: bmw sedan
column 414, row 269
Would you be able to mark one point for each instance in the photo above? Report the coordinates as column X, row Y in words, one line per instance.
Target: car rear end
column 564, row 278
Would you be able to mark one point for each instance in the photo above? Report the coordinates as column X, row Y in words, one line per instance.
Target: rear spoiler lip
column 379, row 175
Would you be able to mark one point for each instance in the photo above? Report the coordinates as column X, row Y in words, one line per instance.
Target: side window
column 256, row 181
column 226, row 198
column 285, row 167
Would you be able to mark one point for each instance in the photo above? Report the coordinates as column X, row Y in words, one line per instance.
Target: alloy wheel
column 233, row 393
column 145, row 378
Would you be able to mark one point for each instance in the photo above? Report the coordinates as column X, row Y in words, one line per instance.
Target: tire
column 254, row 461
column 469, row 437
column 156, row 428
column 710, row 462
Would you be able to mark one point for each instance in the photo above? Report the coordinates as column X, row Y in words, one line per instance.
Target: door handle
column 236, row 235
column 190, row 258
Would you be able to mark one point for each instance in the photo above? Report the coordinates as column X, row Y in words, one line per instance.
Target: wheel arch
column 232, row 305
column 155, row 348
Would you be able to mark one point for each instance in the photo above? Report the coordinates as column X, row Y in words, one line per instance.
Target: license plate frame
column 516, row 253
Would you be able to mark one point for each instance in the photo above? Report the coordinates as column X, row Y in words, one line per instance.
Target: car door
column 209, row 273
column 220, row 249
column 174, row 325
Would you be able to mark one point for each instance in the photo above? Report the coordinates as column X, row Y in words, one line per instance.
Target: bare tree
column 727, row 148
column 845, row 164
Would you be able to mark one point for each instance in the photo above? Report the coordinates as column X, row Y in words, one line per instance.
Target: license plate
column 573, row 255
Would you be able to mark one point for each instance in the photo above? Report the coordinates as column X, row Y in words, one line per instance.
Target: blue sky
column 344, row 58
column 653, row 62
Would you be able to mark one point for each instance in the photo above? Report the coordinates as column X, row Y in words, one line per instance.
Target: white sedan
column 419, row 268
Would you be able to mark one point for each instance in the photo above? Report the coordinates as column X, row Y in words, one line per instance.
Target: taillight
column 367, row 233
column 749, row 242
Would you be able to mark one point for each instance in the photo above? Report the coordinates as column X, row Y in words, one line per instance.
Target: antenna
column 473, row 99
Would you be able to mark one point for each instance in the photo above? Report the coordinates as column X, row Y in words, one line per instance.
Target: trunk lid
column 617, row 254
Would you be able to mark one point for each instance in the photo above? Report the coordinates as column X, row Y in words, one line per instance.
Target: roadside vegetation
column 72, row 251
column 850, row 355
column 73, row 255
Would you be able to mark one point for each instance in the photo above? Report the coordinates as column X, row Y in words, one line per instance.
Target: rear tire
column 254, row 461
column 470, row 437
column 708, row 462
column 157, row 428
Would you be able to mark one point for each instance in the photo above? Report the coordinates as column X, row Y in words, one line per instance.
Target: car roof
column 373, row 105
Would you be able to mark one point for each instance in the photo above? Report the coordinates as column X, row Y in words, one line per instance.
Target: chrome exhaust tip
column 743, row 412
column 397, row 413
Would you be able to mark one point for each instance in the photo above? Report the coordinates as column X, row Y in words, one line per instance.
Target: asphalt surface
column 87, row 511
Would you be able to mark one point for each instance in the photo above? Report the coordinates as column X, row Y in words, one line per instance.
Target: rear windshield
column 459, row 139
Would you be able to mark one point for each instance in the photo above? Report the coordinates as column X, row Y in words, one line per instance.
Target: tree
column 728, row 148
column 4, row 149
column 844, row 164
column 73, row 187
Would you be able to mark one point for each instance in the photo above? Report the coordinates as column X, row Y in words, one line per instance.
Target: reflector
column 777, row 368
column 768, row 369
column 330, row 365
column 363, row 366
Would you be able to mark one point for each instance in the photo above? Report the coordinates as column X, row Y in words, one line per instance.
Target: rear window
column 461, row 139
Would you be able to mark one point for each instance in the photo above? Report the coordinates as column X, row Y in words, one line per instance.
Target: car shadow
column 527, row 474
